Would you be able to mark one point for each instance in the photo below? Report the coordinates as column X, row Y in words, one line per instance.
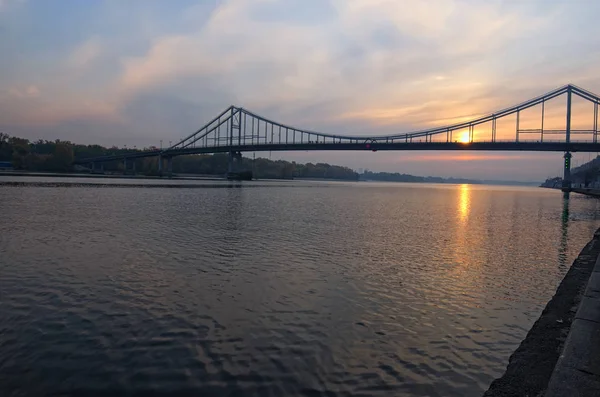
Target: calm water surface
column 295, row 289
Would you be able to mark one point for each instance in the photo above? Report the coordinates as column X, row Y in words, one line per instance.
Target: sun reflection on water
column 464, row 202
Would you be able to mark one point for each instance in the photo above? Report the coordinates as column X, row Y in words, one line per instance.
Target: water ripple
column 338, row 290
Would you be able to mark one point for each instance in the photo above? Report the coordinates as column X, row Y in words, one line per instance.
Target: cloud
column 5, row 4
column 31, row 91
column 445, row 157
column 28, row 106
column 86, row 53
column 376, row 59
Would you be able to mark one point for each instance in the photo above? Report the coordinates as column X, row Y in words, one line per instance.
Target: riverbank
column 531, row 366
column 587, row 192
column 180, row 177
column 577, row 372
column 450, row 181
column 108, row 176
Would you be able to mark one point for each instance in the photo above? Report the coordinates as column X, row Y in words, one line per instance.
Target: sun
column 464, row 137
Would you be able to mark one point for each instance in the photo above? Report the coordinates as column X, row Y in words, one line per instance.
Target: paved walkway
column 577, row 372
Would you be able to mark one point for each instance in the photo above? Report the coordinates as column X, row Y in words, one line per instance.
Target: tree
column 62, row 158
column 5, row 148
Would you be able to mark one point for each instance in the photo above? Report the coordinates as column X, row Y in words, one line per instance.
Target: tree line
column 58, row 156
column 397, row 177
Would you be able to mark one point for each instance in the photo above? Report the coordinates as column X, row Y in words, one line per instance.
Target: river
column 275, row 288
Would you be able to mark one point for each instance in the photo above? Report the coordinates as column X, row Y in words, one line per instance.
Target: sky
column 132, row 73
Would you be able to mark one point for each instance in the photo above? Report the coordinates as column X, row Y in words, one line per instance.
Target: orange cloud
column 460, row 157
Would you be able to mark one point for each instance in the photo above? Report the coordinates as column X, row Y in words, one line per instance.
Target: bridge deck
column 421, row 146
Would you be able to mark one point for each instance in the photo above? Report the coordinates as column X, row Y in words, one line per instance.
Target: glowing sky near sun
column 135, row 72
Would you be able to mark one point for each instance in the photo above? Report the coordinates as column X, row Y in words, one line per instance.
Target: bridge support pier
column 124, row 166
column 170, row 167
column 160, row 165
column 234, row 162
column 133, row 166
column 566, row 183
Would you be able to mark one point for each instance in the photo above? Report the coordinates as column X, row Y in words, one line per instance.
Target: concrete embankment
column 577, row 372
column 532, row 365
column 587, row 192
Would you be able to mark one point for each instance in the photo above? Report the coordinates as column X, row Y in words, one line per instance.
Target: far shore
column 205, row 177
column 109, row 176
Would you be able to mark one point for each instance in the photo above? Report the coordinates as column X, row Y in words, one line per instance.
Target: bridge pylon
column 566, row 185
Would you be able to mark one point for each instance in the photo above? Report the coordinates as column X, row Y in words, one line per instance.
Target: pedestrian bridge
column 237, row 130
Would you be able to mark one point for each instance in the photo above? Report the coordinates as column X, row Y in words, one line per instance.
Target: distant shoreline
column 105, row 176
column 201, row 177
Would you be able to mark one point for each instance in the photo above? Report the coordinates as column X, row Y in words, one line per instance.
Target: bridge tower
column 566, row 185
column 234, row 157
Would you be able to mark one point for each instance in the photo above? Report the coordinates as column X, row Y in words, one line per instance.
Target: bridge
column 237, row 130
